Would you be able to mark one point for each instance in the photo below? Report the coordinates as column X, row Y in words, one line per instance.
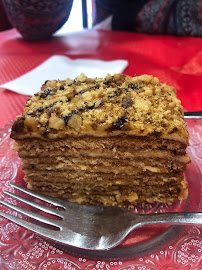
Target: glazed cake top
column 112, row 106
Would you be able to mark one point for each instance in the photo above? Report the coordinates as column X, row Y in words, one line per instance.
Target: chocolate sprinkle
column 47, row 92
column 118, row 125
column 127, row 102
column 66, row 118
column 135, row 86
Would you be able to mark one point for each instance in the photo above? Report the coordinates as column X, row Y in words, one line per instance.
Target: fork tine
column 33, row 227
column 53, row 201
column 33, row 215
column 67, row 237
column 39, row 206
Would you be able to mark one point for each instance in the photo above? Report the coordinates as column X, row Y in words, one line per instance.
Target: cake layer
column 103, row 188
column 107, row 165
column 162, row 180
column 102, row 191
column 163, row 155
column 116, row 195
column 85, row 177
column 123, row 144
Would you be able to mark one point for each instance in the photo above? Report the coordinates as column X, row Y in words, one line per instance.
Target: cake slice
column 115, row 141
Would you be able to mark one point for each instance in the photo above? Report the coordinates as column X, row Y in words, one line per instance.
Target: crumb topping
column 138, row 105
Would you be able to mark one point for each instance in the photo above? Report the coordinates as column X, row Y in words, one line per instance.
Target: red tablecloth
column 174, row 60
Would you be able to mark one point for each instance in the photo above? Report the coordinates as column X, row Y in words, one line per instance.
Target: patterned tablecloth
column 176, row 61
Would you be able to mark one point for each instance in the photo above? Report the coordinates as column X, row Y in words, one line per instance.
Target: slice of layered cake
column 114, row 141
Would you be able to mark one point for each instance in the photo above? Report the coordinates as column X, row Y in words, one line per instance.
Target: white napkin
column 62, row 67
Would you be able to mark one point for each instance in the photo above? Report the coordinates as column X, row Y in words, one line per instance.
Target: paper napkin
column 62, row 67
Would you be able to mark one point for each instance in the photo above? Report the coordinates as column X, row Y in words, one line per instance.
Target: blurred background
column 80, row 17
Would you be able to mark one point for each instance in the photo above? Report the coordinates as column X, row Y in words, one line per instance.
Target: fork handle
column 193, row 115
column 172, row 218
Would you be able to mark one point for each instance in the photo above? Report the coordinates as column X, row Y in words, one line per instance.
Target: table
column 176, row 61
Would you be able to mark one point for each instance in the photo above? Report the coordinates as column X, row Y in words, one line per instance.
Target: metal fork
column 193, row 115
column 85, row 226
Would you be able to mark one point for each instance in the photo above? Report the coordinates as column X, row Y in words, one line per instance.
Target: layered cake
column 115, row 141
